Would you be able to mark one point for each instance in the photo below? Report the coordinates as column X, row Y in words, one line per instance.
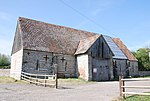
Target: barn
column 43, row 48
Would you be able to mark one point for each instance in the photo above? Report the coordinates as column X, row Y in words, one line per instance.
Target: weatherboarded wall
column 42, row 63
column 133, row 71
column 100, row 57
column 144, row 73
column 16, row 64
column 121, row 67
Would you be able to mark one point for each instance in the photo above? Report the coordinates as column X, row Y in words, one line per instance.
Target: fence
column 38, row 79
column 123, row 86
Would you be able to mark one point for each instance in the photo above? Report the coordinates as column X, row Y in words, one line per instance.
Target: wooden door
column 100, row 70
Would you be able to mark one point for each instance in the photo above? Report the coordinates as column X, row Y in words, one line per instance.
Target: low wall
column 144, row 73
column 4, row 72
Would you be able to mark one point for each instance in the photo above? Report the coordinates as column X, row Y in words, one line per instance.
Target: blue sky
column 127, row 19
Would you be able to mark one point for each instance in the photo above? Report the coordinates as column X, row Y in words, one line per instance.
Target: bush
column 4, row 60
column 142, row 55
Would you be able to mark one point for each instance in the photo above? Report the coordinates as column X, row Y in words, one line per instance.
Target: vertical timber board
column 30, row 62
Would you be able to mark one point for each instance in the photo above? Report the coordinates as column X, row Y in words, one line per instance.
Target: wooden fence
column 123, row 87
column 38, row 79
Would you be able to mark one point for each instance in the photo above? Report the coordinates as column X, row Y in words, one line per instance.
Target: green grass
column 74, row 81
column 143, row 77
column 7, row 79
column 66, row 81
column 4, row 67
column 137, row 98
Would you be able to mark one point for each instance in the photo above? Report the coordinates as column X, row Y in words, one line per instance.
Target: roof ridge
column 21, row 18
column 41, row 36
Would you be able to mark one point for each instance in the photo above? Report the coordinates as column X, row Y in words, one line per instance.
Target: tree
column 142, row 55
column 4, row 60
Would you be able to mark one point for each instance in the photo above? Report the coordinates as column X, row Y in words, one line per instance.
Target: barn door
column 103, row 73
column 100, row 70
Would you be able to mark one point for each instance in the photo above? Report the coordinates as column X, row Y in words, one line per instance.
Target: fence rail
column 123, row 87
column 39, row 79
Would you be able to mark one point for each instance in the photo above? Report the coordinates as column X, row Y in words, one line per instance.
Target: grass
column 137, row 98
column 4, row 67
column 74, row 81
column 68, row 81
column 7, row 79
column 134, row 98
column 144, row 77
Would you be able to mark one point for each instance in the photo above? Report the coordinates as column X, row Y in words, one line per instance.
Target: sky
column 127, row 19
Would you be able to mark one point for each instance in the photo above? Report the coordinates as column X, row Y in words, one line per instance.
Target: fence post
column 121, row 83
column 45, row 80
column 36, row 80
column 30, row 79
column 56, row 81
column 56, row 76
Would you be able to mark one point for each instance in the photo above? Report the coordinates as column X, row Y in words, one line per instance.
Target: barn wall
column 83, row 66
column 100, row 67
column 35, row 62
column 121, row 67
column 143, row 73
column 96, row 49
column 16, row 64
column 133, row 71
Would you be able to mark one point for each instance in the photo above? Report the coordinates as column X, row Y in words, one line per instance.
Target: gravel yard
column 101, row 91
column 75, row 90
column 98, row 91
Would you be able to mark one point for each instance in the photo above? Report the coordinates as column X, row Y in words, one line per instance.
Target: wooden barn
column 40, row 48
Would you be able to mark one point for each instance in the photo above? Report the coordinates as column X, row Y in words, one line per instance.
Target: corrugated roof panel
column 118, row 54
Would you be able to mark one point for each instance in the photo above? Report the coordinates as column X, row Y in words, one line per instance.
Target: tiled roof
column 85, row 44
column 118, row 54
column 125, row 50
column 42, row 36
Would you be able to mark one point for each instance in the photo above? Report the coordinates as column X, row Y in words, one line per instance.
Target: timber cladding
column 42, row 62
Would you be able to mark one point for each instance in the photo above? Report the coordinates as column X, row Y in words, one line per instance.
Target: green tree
column 142, row 55
column 4, row 60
